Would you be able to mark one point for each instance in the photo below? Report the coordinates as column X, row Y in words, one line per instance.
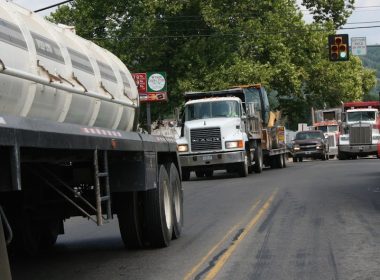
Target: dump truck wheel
column 258, row 166
column 243, row 167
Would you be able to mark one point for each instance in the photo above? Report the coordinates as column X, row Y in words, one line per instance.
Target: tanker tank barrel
column 37, row 79
column 50, row 73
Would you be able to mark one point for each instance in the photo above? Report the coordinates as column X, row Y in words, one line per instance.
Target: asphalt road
column 312, row 220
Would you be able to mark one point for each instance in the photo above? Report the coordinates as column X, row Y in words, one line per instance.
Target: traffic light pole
column 148, row 118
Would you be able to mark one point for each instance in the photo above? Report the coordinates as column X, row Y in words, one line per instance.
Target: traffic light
column 339, row 47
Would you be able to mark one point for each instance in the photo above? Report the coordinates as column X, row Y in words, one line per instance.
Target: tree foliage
column 216, row 44
column 335, row 11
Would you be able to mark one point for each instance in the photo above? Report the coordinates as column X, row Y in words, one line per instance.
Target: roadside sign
column 151, row 86
column 358, row 46
column 140, row 80
column 153, row 97
column 156, row 82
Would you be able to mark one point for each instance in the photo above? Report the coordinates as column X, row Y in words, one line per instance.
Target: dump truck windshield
column 361, row 116
column 308, row 135
column 330, row 128
column 215, row 109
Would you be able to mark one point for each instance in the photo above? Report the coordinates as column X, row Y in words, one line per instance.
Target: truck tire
column 342, row 156
column 243, row 167
column 294, row 159
column 175, row 183
column 283, row 159
column 27, row 234
column 50, row 230
column 277, row 161
column 129, row 210
column 185, row 175
column 159, row 211
column 258, row 166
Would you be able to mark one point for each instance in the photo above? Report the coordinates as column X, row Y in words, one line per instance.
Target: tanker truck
column 68, row 141
column 231, row 130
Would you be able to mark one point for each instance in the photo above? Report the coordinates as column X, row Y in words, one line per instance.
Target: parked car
column 310, row 144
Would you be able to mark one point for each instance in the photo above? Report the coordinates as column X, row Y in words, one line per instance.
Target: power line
column 53, row 6
column 221, row 35
column 365, row 7
column 363, row 22
column 360, row 27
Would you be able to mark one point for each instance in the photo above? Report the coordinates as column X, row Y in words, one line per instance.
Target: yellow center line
column 213, row 249
column 219, row 265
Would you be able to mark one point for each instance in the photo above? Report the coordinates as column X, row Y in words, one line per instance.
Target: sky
column 366, row 14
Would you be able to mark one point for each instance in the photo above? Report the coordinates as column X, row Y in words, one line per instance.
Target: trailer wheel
column 175, row 183
column 158, row 214
column 243, row 167
column 258, row 166
column 129, row 210
column 27, row 234
column 50, row 231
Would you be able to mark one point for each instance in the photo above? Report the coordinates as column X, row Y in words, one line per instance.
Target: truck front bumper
column 194, row 160
column 310, row 153
column 359, row 149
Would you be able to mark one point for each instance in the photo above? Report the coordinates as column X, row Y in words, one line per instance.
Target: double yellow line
column 228, row 253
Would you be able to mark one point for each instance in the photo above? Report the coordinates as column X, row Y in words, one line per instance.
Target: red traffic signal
column 338, row 47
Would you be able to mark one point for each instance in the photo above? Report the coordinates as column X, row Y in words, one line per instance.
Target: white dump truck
column 68, row 116
column 328, row 121
column 231, row 130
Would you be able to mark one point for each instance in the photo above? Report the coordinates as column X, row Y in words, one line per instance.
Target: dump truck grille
column 203, row 139
column 360, row 135
column 332, row 141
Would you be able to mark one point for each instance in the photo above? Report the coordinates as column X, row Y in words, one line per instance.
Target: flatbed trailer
column 53, row 171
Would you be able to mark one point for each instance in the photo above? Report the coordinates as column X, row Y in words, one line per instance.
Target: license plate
column 207, row 158
column 307, row 153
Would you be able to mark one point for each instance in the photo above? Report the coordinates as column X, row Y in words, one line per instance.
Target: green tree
column 335, row 11
column 216, row 44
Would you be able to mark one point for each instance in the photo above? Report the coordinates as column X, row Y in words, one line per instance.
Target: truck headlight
column 376, row 137
column 182, row 148
column 234, row 144
column 319, row 146
column 296, row 147
column 344, row 138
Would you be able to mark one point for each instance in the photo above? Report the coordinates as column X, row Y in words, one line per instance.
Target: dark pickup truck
column 310, row 144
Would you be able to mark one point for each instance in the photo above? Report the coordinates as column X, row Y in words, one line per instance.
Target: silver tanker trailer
column 68, row 140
